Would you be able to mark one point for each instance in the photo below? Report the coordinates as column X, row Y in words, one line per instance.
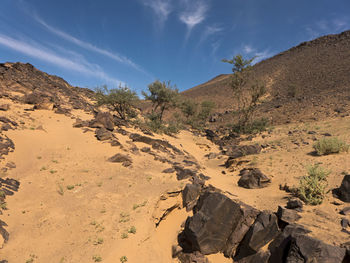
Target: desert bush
column 196, row 115
column 163, row 97
column 247, row 91
column 312, row 188
column 122, row 100
column 253, row 127
column 330, row 145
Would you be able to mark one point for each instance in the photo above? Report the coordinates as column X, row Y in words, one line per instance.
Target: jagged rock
column 6, row 145
column 103, row 134
column 156, row 143
column 343, row 191
column 121, row 158
column 145, row 149
column 190, row 195
column 39, row 100
column 287, row 216
column 80, row 123
column 236, row 151
column 215, row 216
column 8, row 121
column 295, row 203
column 4, row 107
column 260, row 257
column 252, row 178
column 345, row 211
column 115, row 142
column 280, row 245
column 212, row 156
column 168, row 170
column 102, row 120
column 240, row 229
column 344, row 223
column 211, row 136
column 307, row 249
column 183, row 173
column 264, row 229
column 62, row 110
column 195, row 257
column 11, row 165
column 5, row 235
column 167, row 203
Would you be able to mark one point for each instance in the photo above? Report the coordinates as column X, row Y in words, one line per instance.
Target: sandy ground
column 74, row 206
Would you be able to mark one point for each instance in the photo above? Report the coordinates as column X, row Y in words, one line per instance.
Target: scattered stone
column 183, row 173
column 156, row 143
column 121, row 158
column 39, row 100
column 80, row 123
column 102, row 120
column 145, row 149
column 115, row 142
column 326, row 134
column 296, row 204
column 343, row 191
column 252, row 178
column 168, row 170
column 260, row 233
column 102, row 134
column 11, row 165
column 344, row 222
column 4, row 107
column 237, row 151
column 260, row 257
column 345, row 211
column 189, row 195
column 212, row 156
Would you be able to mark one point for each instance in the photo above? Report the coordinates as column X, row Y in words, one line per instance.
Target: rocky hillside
column 23, row 82
column 307, row 82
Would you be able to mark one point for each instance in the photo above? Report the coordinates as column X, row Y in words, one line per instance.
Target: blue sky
column 95, row 42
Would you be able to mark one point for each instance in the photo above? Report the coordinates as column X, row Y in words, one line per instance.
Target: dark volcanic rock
column 168, row 171
column 295, row 203
column 237, row 151
column 287, row 216
column 156, row 143
column 307, row 249
column 190, row 195
column 121, row 158
column 183, row 173
column 80, row 123
column 345, row 211
column 4, row 107
column 280, row 245
column 253, row 178
column 5, row 235
column 103, row 134
column 40, row 100
column 343, row 191
column 264, row 229
column 215, row 215
column 6, row 145
column 102, row 120
column 195, row 257
column 260, row 257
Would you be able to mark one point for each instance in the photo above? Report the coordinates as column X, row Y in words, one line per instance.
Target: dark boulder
column 103, row 134
column 80, row 123
column 252, row 178
column 307, row 249
column 295, row 203
column 184, row 173
column 260, row 257
column 345, row 211
column 236, row 151
column 287, row 216
column 343, row 191
column 215, row 216
column 280, row 245
column 264, row 229
column 4, row 107
column 168, row 170
column 102, row 120
column 156, row 143
column 189, row 195
column 121, row 158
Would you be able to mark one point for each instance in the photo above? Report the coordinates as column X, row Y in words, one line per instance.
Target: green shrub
column 312, row 188
column 330, row 145
column 253, row 127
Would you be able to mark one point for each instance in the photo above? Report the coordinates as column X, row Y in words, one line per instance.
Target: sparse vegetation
column 132, row 230
column 312, row 188
column 124, row 217
column 122, row 100
column 98, row 241
column 248, row 92
column 124, row 235
column 196, row 115
column 135, row 206
column 97, row 258
column 123, row 259
column 70, row 187
column 330, row 145
column 60, row 189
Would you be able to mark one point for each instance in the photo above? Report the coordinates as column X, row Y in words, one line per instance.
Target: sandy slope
column 89, row 219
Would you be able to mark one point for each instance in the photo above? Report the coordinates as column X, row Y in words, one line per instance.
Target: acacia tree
column 122, row 100
column 163, row 97
column 247, row 90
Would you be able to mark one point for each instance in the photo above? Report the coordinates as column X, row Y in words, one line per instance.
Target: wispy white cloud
column 248, row 49
column 259, row 55
column 209, row 31
column 161, row 9
column 42, row 53
column 117, row 57
column 215, row 46
column 195, row 13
